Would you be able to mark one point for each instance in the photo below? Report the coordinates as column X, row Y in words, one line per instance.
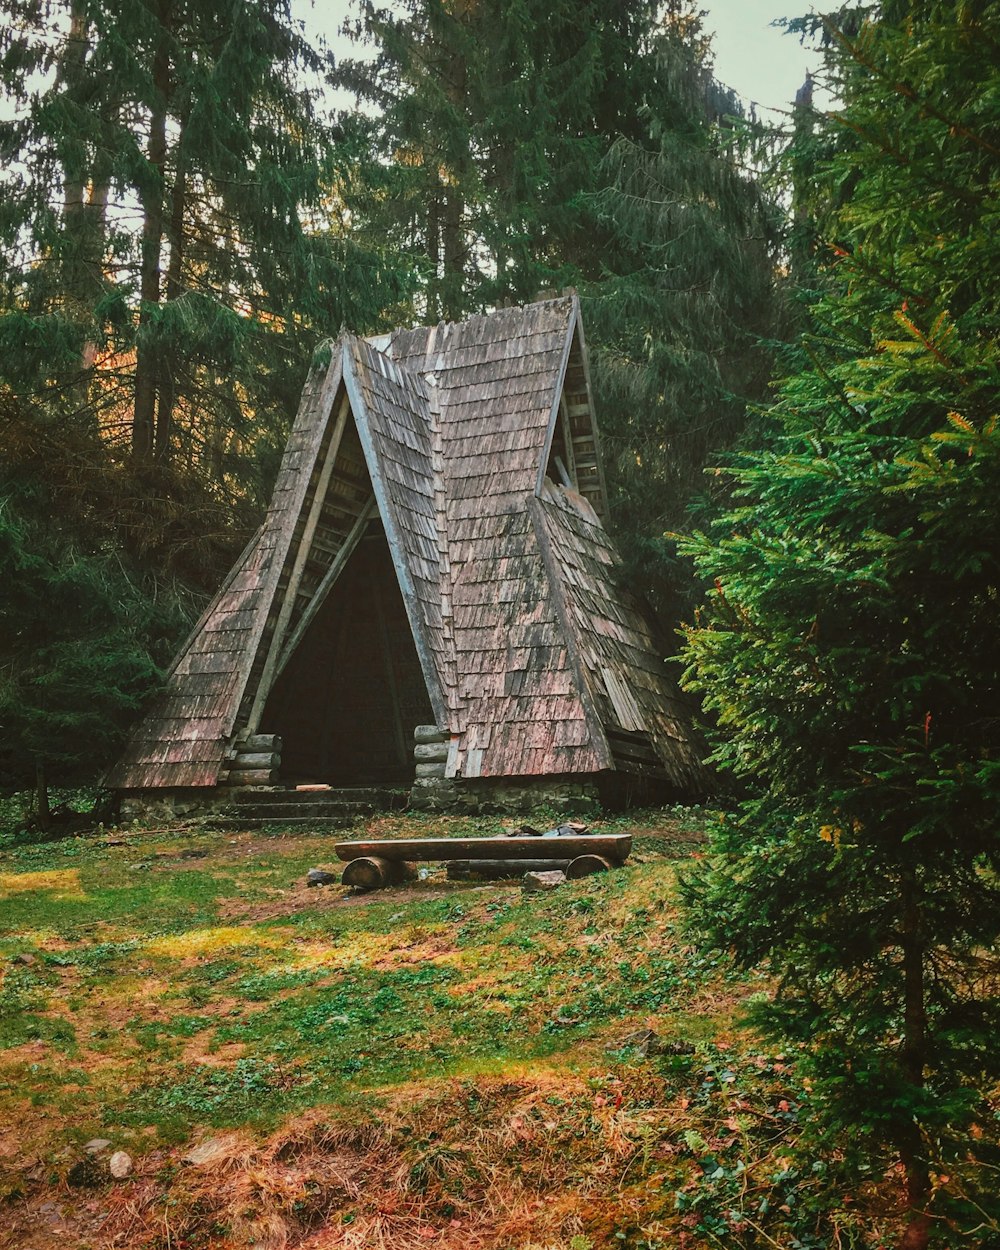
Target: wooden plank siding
column 536, row 660
column 645, row 719
column 160, row 752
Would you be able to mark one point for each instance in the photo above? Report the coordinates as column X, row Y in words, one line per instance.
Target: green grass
column 149, row 965
column 444, row 1033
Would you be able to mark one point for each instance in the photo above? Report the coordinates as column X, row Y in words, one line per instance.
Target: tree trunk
column 434, row 249
column 74, row 155
column 174, row 287
column 914, row 1062
column 143, row 423
column 454, row 255
column 42, row 795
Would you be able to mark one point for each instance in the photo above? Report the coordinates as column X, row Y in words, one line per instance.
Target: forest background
column 182, row 223
column 807, row 311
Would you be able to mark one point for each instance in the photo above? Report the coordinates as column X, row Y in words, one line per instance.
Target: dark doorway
column 350, row 697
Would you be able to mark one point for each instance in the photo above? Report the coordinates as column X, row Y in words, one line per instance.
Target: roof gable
column 455, row 436
column 572, row 452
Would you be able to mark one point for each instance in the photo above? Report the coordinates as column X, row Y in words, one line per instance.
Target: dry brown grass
column 526, row 1160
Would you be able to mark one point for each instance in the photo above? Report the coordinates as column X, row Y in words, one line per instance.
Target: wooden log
column 424, row 734
column 500, row 869
column 613, row 846
column 431, row 752
column 584, row 865
column 255, row 759
column 430, row 770
column 370, row 872
column 252, row 777
column 259, row 742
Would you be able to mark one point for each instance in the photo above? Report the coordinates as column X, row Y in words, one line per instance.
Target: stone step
column 334, row 810
column 375, row 798
column 298, row 824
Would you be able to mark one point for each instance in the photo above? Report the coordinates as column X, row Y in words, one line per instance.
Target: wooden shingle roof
column 535, row 658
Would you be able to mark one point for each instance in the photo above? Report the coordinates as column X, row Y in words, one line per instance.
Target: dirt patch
column 317, row 899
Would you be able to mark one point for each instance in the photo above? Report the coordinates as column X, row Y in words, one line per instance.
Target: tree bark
column 174, row 288
column 70, row 73
column 454, row 254
column 434, row 249
column 914, row 1063
column 143, row 424
column 42, row 795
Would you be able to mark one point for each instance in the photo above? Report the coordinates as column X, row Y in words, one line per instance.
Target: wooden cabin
column 433, row 560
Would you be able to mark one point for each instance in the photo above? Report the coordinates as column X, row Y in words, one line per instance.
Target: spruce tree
column 682, row 317
column 848, row 642
column 192, row 318
column 491, row 120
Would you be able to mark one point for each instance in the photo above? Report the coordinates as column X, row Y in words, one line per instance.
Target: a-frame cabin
column 434, row 556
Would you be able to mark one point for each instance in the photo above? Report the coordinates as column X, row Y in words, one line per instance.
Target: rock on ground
column 535, row 881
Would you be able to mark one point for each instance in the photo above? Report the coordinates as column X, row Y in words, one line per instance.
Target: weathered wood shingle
column 394, row 421
column 535, row 657
column 208, row 679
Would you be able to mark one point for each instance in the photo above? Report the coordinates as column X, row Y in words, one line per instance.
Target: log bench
column 371, row 865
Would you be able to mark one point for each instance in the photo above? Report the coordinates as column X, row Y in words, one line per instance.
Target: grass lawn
column 438, row 1064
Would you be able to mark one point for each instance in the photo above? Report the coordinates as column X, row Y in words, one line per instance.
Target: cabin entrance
column 351, row 695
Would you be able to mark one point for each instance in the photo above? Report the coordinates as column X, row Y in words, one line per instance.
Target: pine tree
column 681, row 318
column 848, row 645
column 198, row 319
column 491, row 120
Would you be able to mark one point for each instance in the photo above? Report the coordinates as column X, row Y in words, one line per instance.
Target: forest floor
column 438, row 1064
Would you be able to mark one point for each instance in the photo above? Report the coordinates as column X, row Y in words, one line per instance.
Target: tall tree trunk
column 434, row 248
column 70, row 72
column 76, row 284
column 143, row 423
column 454, row 255
column 174, row 287
column 453, row 239
column 42, row 795
column 914, row 1062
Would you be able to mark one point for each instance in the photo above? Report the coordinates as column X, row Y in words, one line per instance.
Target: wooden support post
column 585, row 865
column 298, row 568
column 371, row 872
column 568, row 442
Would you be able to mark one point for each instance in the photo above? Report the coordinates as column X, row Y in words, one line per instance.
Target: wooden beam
column 311, row 425
column 550, row 431
column 568, row 442
column 288, row 602
column 613, row 846
column 601, row 492
column 330, row 577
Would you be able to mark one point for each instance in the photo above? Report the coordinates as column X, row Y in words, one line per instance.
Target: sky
column 758, row 60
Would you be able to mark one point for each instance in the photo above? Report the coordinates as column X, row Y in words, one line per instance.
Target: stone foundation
column 565, row 794
column 171, row 805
